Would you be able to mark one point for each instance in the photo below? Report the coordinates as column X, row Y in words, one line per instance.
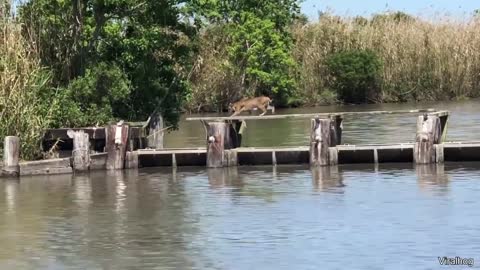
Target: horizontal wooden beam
column 95, row 133
column 307, row 115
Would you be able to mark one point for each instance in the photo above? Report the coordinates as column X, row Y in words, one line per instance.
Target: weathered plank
column 320, row 142
column 116, row 146
column 307, row 115
column 48, row 166
column 11, row 154
column 95, row 133
column 98, row 161
column 428, row 134
column 81, row 150
column 215, row 144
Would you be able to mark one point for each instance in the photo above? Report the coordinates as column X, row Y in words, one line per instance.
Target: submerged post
column 116, row 138
column 11, row 153
column 320, row 140
column 428, row 134
column 216, row 144
column 81, row 150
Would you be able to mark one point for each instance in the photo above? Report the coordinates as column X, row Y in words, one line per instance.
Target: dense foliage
column 355, row 75
column 116, row 58
column 258, row 45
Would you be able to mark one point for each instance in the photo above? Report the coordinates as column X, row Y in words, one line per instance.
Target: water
column 464, row 125
column 289, row 217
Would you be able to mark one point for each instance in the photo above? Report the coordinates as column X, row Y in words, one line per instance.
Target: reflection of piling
column 431, row 175
column 221, row 177
column 325, row 178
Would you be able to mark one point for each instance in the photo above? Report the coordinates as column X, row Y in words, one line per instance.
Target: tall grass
column 26, row 106
column 421, row 60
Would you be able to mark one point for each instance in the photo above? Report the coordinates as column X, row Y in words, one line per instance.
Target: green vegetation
column 421, row 61
column 355, row 75
column 68, row 63
column 245, row 50
column 27, row 102
column 113, row 59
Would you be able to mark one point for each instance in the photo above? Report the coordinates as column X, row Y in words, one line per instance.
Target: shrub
column 355, row 75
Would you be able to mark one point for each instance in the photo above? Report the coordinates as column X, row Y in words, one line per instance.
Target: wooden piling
column 81, row 150
column 428, row 134
column 11, row 153
column 233, row 136
column 336, row 130
column 215, row 144
column 116, row 140
column 155, row 131
column 320, row 140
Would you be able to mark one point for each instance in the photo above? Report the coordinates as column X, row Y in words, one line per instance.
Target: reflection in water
column 326, row 178
column 240, row 218
column 224, row 177
column 10, row 193
column 432, row 177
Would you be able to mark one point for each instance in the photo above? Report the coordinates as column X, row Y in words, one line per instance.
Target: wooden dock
column 223, row 146
column 347, row 154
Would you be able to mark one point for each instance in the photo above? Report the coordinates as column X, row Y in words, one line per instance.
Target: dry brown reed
column 421, row 60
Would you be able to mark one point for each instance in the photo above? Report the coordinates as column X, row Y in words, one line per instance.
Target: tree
column 356, row 75
column 92, row 44
column 259, row 42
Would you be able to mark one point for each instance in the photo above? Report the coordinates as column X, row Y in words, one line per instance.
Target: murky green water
column 289, row 217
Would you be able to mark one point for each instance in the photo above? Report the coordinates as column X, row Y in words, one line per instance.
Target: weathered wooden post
column 155, row 131
column 215, row 144
column 428, row 134
column 116, row 140
column 11, row 153
column 320, row 141
column 131, row 160
column 81, row 150
column 336, row 130
column 233, row 134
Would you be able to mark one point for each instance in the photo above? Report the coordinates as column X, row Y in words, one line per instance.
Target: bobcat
column 245, row 104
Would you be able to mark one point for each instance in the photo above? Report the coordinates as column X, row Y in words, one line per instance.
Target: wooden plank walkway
column 314, row 115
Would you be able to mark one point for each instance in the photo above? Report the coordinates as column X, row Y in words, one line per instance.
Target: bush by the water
column 355, row 75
